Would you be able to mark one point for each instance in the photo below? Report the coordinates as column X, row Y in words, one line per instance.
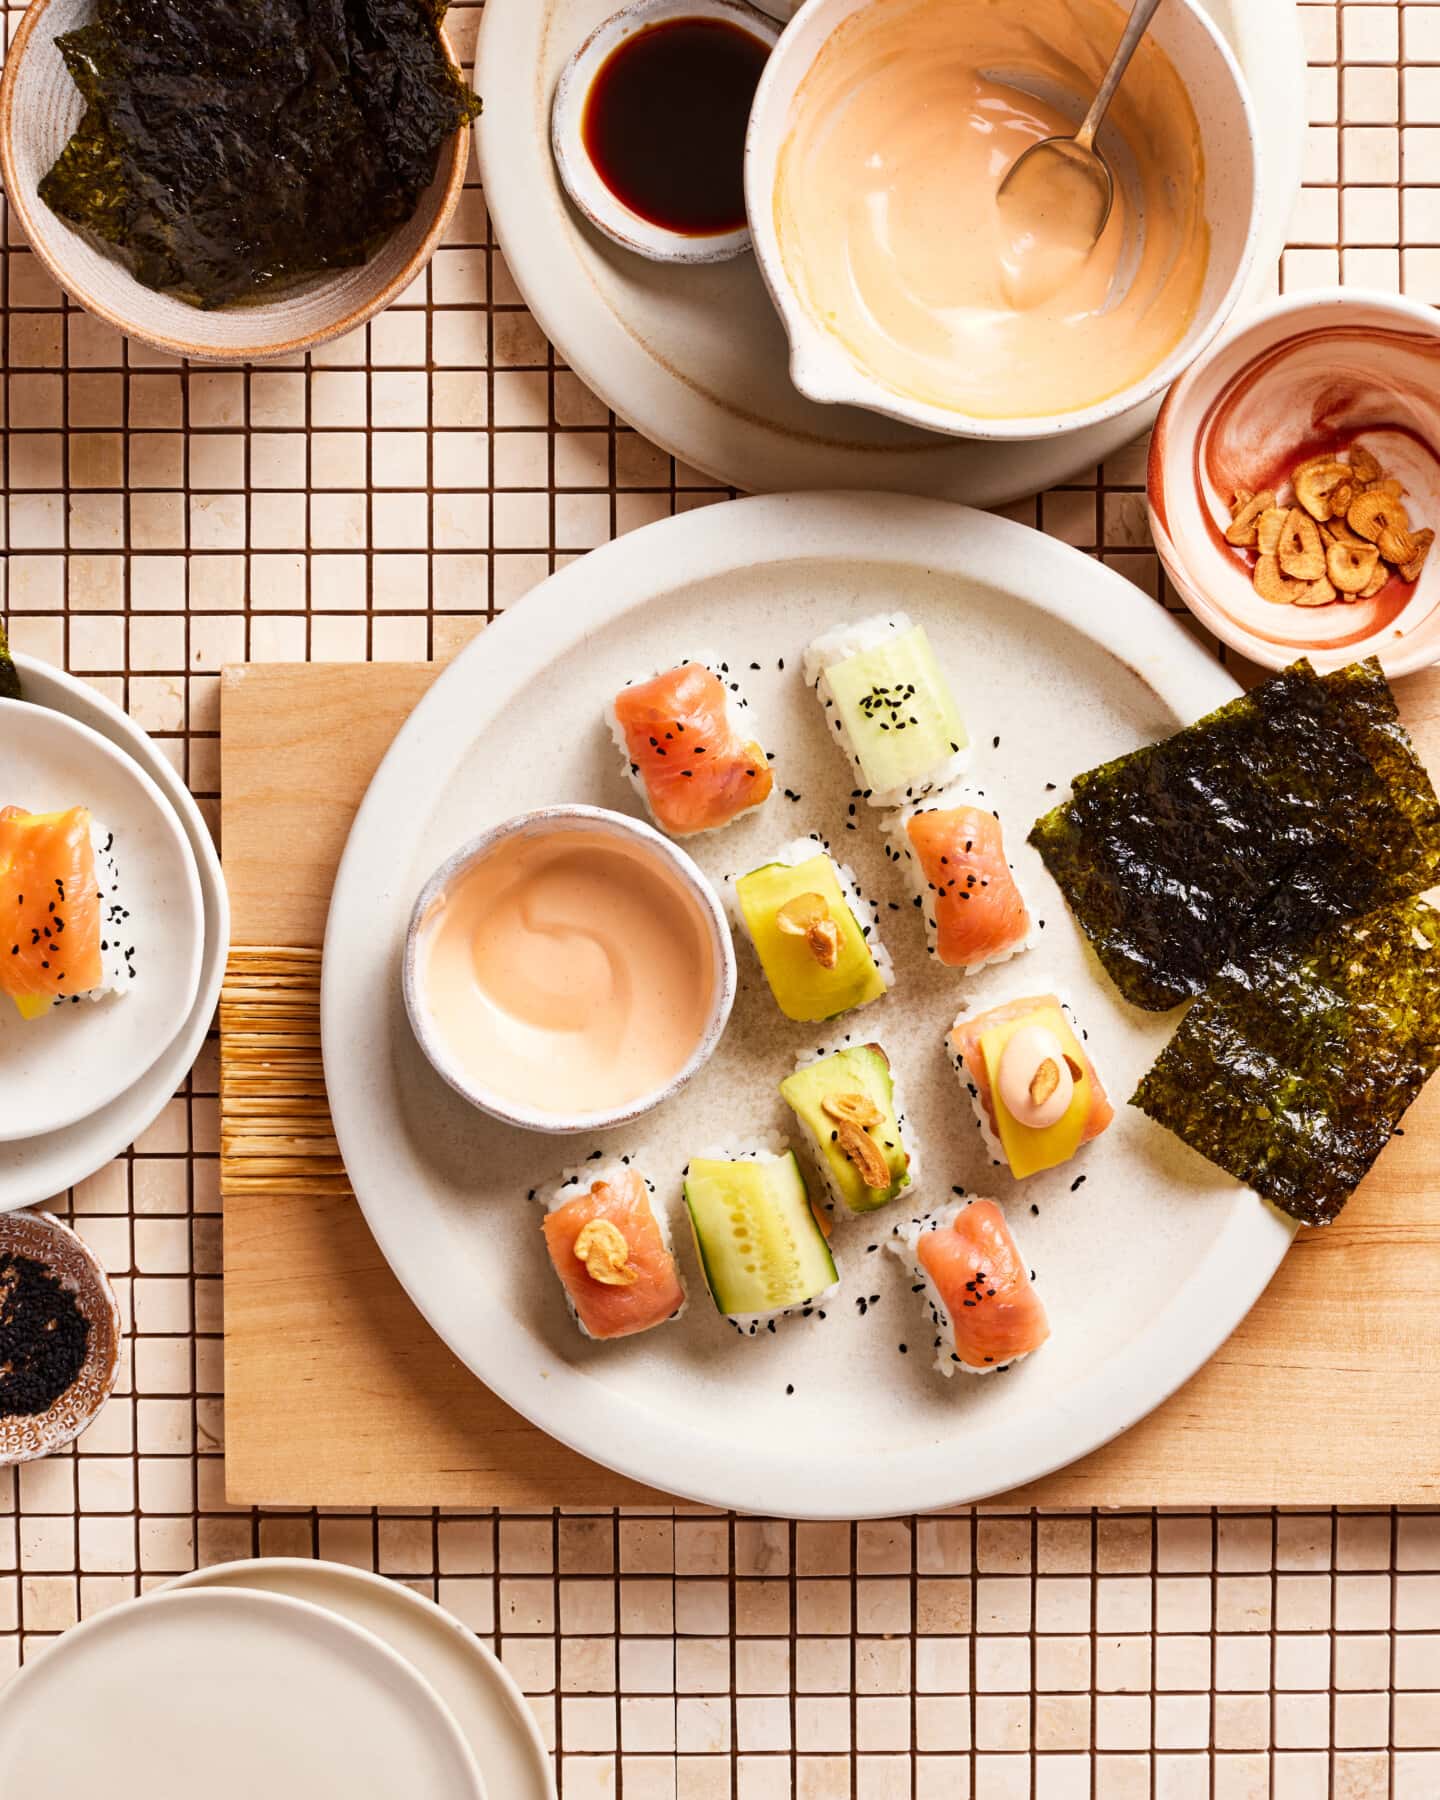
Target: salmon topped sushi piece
column 612, row 1252
column 977, row 1285
column 50, row 908
column 1035, row 1091
column 686, row 750
column 954, row 851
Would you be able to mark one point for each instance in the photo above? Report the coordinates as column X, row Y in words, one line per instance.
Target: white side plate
column 38, row 1168
column 487, row 1705
column 695, row 357
column 230, row 1695
column 1058, row 663
column 56, row 1069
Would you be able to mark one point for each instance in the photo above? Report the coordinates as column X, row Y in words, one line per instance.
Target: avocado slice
column 862, row 1069
column 758, row 1240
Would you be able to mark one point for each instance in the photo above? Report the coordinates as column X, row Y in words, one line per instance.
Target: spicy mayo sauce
column 568, row 973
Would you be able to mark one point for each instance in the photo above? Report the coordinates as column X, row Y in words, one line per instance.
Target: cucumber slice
column 903, row 725
column 860, row 1069
column 803, row 988
column 759, row 1244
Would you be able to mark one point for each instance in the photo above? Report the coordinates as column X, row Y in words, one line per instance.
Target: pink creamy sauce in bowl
column 568, row 970
column 1316, row 373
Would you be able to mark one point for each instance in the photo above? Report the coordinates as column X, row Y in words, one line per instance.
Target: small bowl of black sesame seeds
column 59, row 1336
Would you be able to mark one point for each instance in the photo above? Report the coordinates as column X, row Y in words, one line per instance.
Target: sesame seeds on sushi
column 952, row 850
column 686, row 747
column 889, row 708
column 62, row 915
column 610, row 1246
column 976, row 1287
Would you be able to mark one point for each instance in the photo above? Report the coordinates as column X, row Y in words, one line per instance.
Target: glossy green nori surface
column 1296, row 805
column 231, row 148
column 9, row 674
column 1293, row 1073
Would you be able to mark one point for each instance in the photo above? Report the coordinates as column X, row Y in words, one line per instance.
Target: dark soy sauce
column 664, row 123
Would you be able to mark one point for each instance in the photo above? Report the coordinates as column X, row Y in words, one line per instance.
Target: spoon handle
column 1141, row 14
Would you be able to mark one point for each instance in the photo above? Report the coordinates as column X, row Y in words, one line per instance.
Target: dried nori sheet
column 1293, row 1073
column 231, row 148
column 1300, row 803
column 9, row 674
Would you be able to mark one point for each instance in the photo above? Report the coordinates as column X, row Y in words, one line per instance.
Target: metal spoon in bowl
column 1056, row 198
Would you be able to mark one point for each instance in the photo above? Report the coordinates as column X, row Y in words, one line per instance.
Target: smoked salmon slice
column 974, row 910
column 50, row 913
column 975, row 1272
column 612, row 1255
column 686, row 752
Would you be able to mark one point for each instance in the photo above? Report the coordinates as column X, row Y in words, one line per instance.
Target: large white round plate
column 1058, row 663
column 38, row 1168
column 695, row 357
column 230, row 1695
column 77, row 1057
column 487, row 1706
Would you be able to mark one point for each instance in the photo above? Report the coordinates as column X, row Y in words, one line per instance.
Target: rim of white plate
column 561, row 612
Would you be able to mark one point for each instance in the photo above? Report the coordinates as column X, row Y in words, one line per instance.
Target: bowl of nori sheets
column 234, row 180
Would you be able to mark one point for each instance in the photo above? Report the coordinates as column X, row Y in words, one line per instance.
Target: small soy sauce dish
column 648, row 125
column 59, row 1336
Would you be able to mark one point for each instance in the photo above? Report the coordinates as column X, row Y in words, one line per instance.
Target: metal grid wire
column 382, row 500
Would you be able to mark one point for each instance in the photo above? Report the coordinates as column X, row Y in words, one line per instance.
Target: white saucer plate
column 230, row 1695
column 695, row 356
column 39, row 1168
column 488, row 1707
column 1058, row 663
column 80, row 1055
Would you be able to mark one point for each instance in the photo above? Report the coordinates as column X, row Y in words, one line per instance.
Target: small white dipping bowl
column 594, row 821
column 820, row 365
column 40, row 107
column 596, row 202
column 1299, row 376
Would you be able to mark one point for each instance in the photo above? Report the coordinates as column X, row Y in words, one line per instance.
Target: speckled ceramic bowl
column 595, row 202
column 599, row 822
column 40, row 107
column 45, row 1239
column 1302, row 375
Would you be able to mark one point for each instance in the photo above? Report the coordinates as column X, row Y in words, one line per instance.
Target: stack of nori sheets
column 1238, row 860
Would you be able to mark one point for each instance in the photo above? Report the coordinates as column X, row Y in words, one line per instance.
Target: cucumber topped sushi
column 759, row 1242
column 1036, row 1093
column 976, row 1285
column 611, row 1248
column 889, row 707
column 687, row 750
column 62, row 922
column 847, row 1104
column 821, row 953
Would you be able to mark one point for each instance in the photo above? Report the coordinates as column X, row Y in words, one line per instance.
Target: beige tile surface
column 381, row 502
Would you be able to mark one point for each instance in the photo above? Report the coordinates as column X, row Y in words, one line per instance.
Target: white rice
column 903, row 853
column 750, row 1324
column 571, row 1183
column 838, row 646
column 903, row 1243
column 116, row 950
column 817, row 1148
column 866, row 913
column 993, row 1146
column 736, row 705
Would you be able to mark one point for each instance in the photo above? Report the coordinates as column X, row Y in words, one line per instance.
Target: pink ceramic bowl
column 1303, row 375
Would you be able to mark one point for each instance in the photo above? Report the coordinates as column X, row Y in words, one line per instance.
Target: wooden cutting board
column 338, row 1394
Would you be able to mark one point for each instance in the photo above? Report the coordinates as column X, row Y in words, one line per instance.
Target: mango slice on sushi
column 815, row 936
column 1035, row 1091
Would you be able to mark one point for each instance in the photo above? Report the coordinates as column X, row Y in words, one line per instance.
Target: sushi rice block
column 683, row 738
column 611, row 1248
column 849, row 1106
column 889, row 707
column 62, row 921
column 1035, row 1091
column 760, row 1244
column 953, row 852
column 817, row 940
column 976, row 1285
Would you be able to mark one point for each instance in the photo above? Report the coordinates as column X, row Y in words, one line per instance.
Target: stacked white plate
column 275, row 1677
column 81, row 1083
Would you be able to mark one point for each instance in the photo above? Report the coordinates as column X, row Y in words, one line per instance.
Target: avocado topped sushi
column 847, row 1104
